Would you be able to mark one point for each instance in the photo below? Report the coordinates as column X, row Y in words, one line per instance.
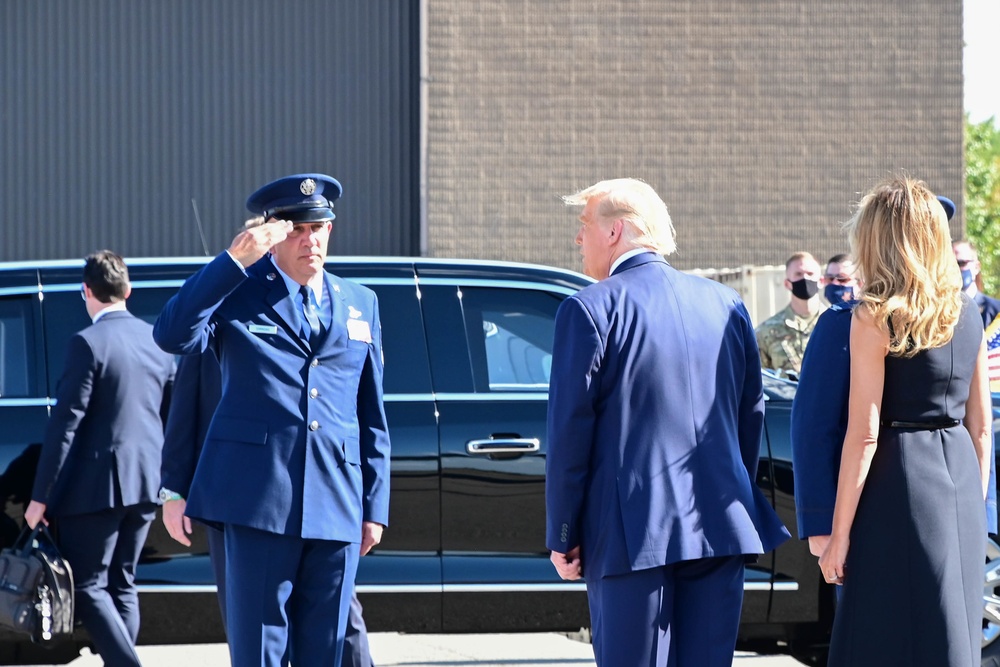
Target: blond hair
column 912, row 286
column 635, row 202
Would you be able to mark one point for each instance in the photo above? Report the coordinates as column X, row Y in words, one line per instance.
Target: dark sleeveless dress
column 914, row 572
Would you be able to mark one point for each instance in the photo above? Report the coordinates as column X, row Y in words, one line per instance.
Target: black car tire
column 991, row 605
column 26, row 653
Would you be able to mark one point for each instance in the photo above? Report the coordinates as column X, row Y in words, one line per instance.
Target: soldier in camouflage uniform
column 782, row 337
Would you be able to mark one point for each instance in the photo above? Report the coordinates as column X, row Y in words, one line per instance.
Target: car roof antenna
column 201, row 229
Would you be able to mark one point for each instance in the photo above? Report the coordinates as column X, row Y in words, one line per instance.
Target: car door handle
column 503, row 446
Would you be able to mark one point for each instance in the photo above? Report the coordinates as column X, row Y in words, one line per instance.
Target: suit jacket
column 197, row 388
column 819, row 420
column 989, row 308
column 298, row 444
column 103, row 441
column 819, row 424
column 655, row 423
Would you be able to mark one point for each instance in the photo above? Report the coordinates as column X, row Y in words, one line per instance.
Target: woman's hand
column 831, row 563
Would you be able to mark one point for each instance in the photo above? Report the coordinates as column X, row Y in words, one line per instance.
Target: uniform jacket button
column 314, row 363
column 313, row 425
column 313, row 393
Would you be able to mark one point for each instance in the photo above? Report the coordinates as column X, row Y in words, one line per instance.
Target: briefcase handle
column 26, row 540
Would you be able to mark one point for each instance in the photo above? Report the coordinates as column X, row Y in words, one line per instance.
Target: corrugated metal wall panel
column 116, row 114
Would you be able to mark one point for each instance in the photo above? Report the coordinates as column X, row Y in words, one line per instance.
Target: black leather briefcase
column 36, row 587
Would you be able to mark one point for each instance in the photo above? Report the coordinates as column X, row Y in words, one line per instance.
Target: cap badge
column 307, row 187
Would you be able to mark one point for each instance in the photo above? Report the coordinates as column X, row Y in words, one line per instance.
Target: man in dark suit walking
column 655, row 419
column 99, row 468
column 296, row 459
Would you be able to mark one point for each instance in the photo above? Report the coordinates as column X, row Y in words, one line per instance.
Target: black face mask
column 805, row 289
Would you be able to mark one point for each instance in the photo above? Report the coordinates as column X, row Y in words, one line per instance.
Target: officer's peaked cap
column 300, row 198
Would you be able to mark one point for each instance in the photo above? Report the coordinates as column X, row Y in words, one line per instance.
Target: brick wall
column 758, row 121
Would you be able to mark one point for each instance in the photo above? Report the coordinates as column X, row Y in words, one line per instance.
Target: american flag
column 993, row 352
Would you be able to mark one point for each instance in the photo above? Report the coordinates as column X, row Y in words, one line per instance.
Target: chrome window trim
column 415, row 262
column 26, row 402
column 388, row 398
column 154, row 284
column 491, row 397
column 19, row 291
column 515, row 588
column 373, row 280
column 408, row 398
column 784, row 586
column 780, row 586
column 499, row 282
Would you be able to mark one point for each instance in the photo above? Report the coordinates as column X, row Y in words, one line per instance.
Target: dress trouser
column 356, row 649
column 685, row 614
column 286, row 596
column 217, row 555
column 106, row 599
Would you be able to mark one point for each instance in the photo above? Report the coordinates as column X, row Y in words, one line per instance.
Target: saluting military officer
column 295, row 464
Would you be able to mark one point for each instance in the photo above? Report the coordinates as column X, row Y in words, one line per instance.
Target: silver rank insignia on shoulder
column 336, row 287
column 307, row 187
column 353, row 312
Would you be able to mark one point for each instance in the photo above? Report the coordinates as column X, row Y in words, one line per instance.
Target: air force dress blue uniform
column 655, row 422
column 99, row 470
column 297, row 454
column 197, row 390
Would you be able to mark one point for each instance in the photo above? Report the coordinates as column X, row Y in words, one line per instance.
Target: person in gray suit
column 99, row 468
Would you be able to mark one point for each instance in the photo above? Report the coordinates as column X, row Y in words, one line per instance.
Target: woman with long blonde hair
column 909, row 528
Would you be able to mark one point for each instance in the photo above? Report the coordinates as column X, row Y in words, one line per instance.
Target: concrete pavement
column 391, row 649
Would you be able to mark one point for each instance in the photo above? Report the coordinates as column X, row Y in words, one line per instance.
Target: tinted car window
column 407, row 370
column 17, row 359
column 65, row 314
column 510, row 334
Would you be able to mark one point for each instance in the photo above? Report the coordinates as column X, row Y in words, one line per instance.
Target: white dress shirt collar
column 117, row 306
column 625, row 255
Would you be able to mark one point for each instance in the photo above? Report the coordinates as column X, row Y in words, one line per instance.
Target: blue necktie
column 310, row 313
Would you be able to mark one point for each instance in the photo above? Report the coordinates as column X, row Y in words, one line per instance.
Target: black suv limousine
column 467, row 348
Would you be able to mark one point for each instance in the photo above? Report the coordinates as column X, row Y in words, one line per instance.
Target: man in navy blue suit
column 295, row 464
column 656, row 413
column 99, row 468
column 197, row 389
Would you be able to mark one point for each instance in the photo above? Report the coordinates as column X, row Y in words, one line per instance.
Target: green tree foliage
column 982, row 197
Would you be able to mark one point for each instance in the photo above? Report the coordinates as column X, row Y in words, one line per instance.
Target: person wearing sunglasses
column 968, row 264
column 838, row 280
